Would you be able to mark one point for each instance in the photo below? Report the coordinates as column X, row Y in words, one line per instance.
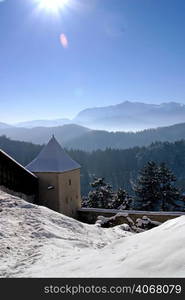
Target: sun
column 53, row 6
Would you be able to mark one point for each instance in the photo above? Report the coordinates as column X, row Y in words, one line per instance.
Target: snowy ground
column 37, row 242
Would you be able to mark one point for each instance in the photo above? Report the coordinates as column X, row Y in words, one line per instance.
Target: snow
column 135, row 212
column 38, row 242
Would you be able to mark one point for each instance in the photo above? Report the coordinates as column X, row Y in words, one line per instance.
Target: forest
column 99, row 139
column 120, row 168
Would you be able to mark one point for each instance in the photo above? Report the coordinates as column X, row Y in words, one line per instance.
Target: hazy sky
column 91, row 53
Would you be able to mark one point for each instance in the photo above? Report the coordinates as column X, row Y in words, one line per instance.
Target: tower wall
column 65, row 196
column 48, row 197
column 69, row 192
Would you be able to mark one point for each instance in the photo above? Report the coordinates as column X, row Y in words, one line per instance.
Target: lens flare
column 53, row 6
column 64, row 40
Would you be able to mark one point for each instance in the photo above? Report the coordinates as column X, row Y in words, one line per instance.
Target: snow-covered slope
column 37, row 242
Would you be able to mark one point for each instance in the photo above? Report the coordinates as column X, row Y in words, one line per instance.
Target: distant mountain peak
column 124, row 116
column 131, row 116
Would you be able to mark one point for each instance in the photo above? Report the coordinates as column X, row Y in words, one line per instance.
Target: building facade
column 58, row 179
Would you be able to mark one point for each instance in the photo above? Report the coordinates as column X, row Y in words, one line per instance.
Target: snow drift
column 38, row 242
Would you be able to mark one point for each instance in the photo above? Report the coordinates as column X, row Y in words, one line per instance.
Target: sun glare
column 53, row 6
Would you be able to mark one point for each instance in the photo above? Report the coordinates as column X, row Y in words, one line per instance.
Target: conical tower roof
column 52, row 158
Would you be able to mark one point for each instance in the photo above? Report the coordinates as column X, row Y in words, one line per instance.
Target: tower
column 59, row 179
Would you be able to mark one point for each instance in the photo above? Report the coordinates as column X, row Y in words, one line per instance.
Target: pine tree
column 121, row 200
column 155, row 189
column 102, row 195
column 147, row 189
column 170, row 196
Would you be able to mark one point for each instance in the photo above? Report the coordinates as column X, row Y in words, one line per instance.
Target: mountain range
column 79, row 137
column 126, row 116
column 99, row 139
column 43, row 123
column 41, row 135
column 132, row 116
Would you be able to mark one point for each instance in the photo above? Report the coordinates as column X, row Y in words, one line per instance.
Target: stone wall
column 60, row 191
column 89, row 215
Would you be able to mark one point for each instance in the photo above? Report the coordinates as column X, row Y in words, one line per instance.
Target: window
column 50, row 187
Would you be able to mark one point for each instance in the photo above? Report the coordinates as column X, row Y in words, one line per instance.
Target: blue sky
column 117, row 50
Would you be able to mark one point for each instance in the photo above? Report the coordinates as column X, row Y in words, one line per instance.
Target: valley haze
column 134, row 124
column 126, row 116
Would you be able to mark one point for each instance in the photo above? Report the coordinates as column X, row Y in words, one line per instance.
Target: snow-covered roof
column 52, row 158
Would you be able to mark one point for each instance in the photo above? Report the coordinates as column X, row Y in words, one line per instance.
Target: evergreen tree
column 85, row 202
column 155, row 189
column 121, row 200
column 169, row 194
column 102, row 195
column 147, row 189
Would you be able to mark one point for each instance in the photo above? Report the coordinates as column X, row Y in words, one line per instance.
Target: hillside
column 23, row 152
column 96, row 139
column 38, row 242
column 43, row 123
column 120, row 168
column 4, row 125
column 79, row 137
column 41, row 135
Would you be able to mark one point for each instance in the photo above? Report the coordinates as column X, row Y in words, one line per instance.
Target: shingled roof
column 52, row 158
